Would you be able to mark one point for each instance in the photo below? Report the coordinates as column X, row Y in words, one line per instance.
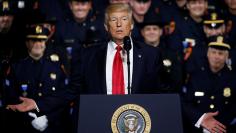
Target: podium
column 152, row 113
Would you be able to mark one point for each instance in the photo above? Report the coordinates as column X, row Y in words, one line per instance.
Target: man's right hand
column 211, row 124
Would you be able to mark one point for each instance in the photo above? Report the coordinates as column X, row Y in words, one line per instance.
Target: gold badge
column 131, row 118
column 213, row 16
column 227, row 92
column 39, row 29
column 54, row 57
column 167, row 62
column 53, row 76
column 219, row 39
column 5, row 5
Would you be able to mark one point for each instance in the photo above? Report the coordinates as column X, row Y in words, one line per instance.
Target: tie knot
column 118, row 47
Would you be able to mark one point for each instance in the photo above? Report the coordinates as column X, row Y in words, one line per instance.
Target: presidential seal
column 131, row 118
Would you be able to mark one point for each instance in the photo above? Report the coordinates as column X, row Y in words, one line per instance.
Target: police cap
column 218, row 42
column 37, row 32
column 213, row 20
column 7, row 7
column 152, row 19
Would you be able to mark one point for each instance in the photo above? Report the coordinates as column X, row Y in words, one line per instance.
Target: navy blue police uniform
column 73, row 35
column 171, row 73
column 11, row 48
column 38, row 80
column 209, row 92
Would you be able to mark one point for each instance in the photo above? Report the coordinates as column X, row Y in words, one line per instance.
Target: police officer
column 10, row 42
column 75, row 31
column 189, row 28
column 152, row 32
column 37, row 17
column 209, row 99
column 230, row 13
column 231, row 28
column 40, row 76
column 213, row 25
column 9, row 36
column 140, row 8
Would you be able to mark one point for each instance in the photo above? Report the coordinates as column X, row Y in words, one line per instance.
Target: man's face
column 181, row 3
column 217, row 58
column 80, row 10
column 119, row 1
column 151, row 34
column 231, row 4
column 197, row 8
column 140, row 8
column 36, row 48
column 5, row 22
column 119, row 25
column 214, row 31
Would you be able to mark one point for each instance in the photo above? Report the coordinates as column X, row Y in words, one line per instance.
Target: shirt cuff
column 37, row 108
column 198, row 124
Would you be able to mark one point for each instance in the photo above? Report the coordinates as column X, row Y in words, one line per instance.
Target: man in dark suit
column 103, row 69
column 97, row 63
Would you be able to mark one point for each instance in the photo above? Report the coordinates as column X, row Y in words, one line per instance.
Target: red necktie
column 118, row 85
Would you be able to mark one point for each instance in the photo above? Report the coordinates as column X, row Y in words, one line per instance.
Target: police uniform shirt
column 210, row 92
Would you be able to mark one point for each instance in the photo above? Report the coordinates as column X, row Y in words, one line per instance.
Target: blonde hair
column 118, row 7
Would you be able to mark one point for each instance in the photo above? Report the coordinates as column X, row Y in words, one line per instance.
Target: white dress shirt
column 111, row 51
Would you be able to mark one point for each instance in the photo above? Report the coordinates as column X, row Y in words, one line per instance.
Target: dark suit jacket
column 89, row 71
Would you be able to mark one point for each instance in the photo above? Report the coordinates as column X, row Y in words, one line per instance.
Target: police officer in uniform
column 213, row 25
column 39, row 76
column 10, row 42
column 189, row 28
column 73, row 31
column 171, row 76
column 140, row 8
column 209, row 100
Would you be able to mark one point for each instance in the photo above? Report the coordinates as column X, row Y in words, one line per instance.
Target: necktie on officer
column 118, row 86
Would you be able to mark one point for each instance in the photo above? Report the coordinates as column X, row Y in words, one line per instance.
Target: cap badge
column 39, row 29
column 5, row 5
column 213, row 16
column 220, row 39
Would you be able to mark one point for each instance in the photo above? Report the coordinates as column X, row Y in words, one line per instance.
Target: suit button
column 226, row 102
column 53, row 88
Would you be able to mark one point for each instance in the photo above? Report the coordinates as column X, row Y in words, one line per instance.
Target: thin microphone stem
column 128, row 65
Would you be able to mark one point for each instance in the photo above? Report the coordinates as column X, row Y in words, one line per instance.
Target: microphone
column 127, row 43
column 127, row 47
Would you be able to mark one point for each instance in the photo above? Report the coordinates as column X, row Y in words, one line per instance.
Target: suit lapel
column 137, row 66
column 101, row 67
